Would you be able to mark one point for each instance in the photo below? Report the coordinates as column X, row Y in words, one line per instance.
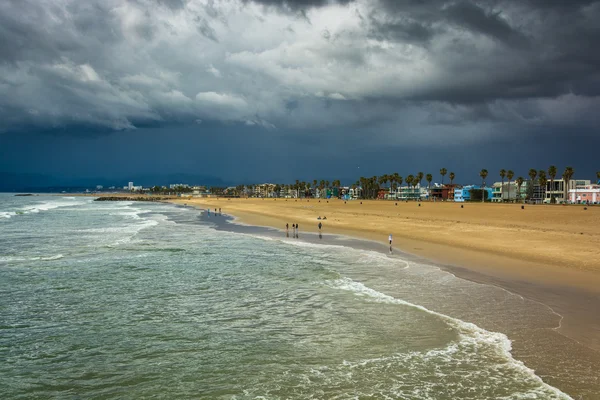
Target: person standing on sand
column 320, row 226
column 287, row 228
column 390, row 239
column 297, row 230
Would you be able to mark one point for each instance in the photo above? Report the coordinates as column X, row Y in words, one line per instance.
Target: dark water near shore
column 113, row 300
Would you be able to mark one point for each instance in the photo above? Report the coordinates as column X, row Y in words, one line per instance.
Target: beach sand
column 547, row 253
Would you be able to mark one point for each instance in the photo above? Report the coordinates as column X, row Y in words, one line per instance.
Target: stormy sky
column 278, row 90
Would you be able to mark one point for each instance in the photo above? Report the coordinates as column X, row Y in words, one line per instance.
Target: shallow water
column 113, row 300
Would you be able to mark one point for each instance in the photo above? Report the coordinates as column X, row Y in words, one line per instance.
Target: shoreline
column 573, row 294
column 539, row 345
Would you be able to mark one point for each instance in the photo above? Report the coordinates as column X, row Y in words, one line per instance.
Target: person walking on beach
column 287, row 227
column 320, row 226
column 390, row 239
column 297, row 230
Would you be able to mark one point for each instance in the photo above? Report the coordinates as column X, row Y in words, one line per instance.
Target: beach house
column 408, row 193
column 504, row 192
column 355, row 192
column 559, row 188
column 440, row 192
column 585, row 194
column 464, row 194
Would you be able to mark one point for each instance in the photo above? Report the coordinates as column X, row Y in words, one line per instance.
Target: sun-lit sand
column 567, row 237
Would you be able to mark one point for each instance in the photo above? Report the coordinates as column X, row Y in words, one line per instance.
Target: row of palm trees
column 372, row 185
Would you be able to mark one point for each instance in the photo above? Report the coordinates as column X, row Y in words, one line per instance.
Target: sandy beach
column 550, row 254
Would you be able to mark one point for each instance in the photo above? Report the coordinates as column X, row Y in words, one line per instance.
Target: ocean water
column 134, row 300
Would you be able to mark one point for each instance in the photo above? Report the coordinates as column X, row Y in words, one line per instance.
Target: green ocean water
column 124, row 300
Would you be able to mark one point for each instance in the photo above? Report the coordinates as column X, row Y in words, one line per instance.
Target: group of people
column 208, row 211
column 295, row 230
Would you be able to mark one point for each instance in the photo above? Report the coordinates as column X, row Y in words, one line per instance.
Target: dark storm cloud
column 474, row 18
column 416, row 64
column 299, row 4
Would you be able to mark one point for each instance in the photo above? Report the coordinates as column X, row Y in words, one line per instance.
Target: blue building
column 464, row 194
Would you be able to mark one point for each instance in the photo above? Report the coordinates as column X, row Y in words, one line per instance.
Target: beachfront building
column 558, row 190
column 355, row 193
column 585, row 194
column 178, row 185
column 464, row 194
column 506, row 192
column 439, row 192
column 130, row 186
column 264, row 190
column 408, row 193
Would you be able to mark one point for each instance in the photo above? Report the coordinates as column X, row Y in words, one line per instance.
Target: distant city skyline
column 247, row 91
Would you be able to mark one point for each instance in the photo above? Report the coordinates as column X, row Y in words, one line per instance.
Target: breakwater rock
column 132, row 198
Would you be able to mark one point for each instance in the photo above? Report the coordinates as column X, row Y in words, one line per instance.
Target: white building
column 130, row 186
column 585, row 194
column 558, row 192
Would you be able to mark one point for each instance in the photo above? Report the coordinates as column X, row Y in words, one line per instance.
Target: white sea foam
column 52, row 258
column 36, row 258
column 363, row 256
column 7, row 214
column 51, row 205
column 469, row 333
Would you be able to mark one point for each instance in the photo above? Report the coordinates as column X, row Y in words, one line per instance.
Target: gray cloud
column 415, row 67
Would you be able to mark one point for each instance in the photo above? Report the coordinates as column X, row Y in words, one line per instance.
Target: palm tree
column 483, row 174
column 429, row 178
column 510, row 174
column 542, row 181
column 502, row 175
column 552, row 174
column 530, row 189
column 451, row 176
column 532, row 174
column 382, row 180
column 409, row 180
column 415, row 183
column 420, row 178
column 443, row 172
column 567, row 175
column 519, row 181
column 598, row 175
